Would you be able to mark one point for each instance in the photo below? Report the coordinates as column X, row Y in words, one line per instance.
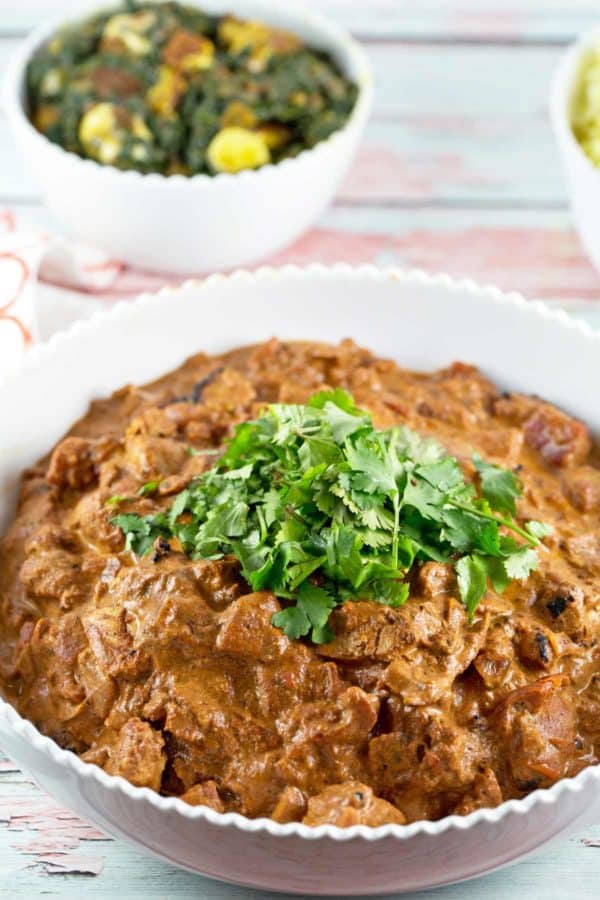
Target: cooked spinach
column 163, row 87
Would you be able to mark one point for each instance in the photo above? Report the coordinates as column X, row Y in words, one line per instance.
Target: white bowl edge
column 120, row 313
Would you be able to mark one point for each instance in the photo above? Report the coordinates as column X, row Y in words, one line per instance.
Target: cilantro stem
column 317, row 505
column 508, row 523
column 396, row 501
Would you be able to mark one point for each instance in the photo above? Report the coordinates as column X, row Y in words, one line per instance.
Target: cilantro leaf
column 372, row 472
column 500, row 487
column 472, row 581
column 293, row 621
column 316, row 603
column 138, row 530
column 538, row 530
column 150, row 487
column 116, row 500
column 320, row 507
column 444, row 474
column 496, row 571
column 521, row 563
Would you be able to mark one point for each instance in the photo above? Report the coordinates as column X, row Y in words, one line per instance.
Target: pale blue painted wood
column 517, row 20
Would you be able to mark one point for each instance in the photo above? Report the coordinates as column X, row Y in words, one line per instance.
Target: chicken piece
column 292, row 680
column 485, row 794
column 166, row 610
column 52, row 568
column 290, row 807
column 425, row 643
column 92, row 518
column 427, row 760
column 367, row 630
column 582, row 487
column 566, row 604
column 495, row 663
column 436, row 578
column 218, row 581
column 153, row 422
column 100, row 688
column 348, row 720
column 46, row 654
column 584, row 551
column 459, row 396
column 246, row 630
column 204, row 794
column 350, row 804
column 137, row 754
column 71, row 464
column 562, row 440
column 537, row 727
column 150, row 457
column 112, row 644
column 538, row 647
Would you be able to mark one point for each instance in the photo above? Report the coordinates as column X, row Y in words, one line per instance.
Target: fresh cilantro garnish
column 149, row 488
column 116, row 500
column 311, row 612
column 140, row 531
column 538, row 529
column 499, row 486
column 320, row 507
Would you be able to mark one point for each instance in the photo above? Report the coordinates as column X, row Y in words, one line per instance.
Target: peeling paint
column 54, row 839
column 541, row 263
column 381, row 172
column 71, row 864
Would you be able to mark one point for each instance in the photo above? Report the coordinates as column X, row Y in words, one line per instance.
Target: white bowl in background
column 415, row 319
column 201, row 223
column 583, row 177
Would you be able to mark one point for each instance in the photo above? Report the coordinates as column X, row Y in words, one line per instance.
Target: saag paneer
column 163, row 87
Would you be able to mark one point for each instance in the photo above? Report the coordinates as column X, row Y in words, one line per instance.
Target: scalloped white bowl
column 420, row 321
column 203, row 223
column 582, row 176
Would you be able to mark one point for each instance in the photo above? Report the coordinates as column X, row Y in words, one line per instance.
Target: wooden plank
column 441, row 125
column 487, row 20
column 534, row 252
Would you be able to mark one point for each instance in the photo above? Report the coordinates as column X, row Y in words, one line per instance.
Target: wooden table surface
column 458, row 172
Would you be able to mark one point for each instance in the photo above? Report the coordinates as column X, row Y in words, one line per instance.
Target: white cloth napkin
column 47, row 282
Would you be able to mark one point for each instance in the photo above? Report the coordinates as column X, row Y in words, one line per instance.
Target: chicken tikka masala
column 258, row 585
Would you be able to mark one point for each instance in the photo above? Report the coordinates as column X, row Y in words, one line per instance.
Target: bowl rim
column 342, row 43
column 90, row 772
column 563, row 83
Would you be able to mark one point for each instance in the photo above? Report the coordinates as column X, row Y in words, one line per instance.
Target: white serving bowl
column 418, row 321
column 202, row 223
column 583, row 177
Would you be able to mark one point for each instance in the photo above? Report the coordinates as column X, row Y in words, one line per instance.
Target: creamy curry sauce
column 167, row 671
